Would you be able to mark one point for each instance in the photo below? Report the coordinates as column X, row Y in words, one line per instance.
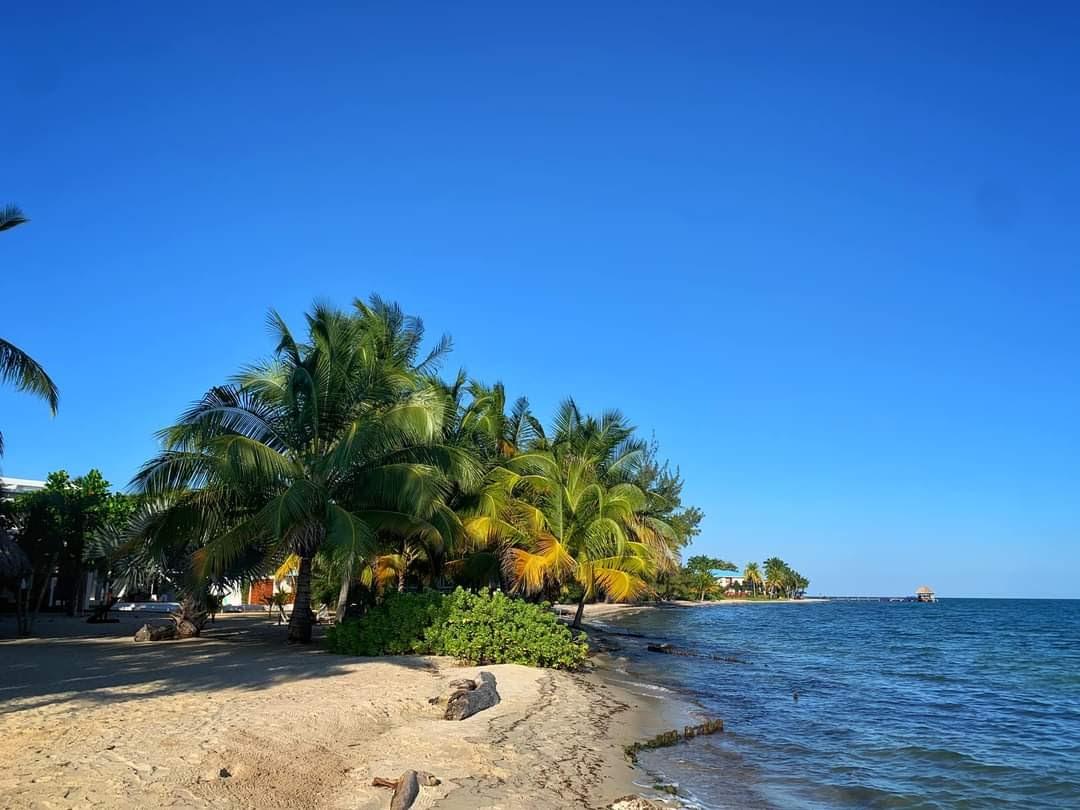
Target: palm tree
column 795, row 584
column 775, row 572
column 575, row 527
column 577, row 514
column 752, row 574
column 486, row 424
column 328, row 447
column 16, row 366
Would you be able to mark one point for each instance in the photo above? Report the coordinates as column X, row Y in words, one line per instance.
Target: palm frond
column 10, row 217
column 17, row 367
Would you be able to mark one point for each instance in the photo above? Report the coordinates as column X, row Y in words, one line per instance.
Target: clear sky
column 827, row 253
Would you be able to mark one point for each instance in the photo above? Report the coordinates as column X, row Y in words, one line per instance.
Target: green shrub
column 478, row 628
column 395, row 627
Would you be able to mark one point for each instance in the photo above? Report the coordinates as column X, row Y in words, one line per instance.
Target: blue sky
column 827, row 253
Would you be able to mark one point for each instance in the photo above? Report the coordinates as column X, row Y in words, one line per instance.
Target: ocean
column 966, row 703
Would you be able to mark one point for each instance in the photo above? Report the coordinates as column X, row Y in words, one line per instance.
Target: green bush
column 395, row 627
column 478, row 628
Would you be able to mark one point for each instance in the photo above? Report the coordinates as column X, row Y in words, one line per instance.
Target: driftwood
column 406, row 788
column 185, row 628
column 674, row 737
column 155, row 632
column 669, row 649
column 469, row 697
column 189, row 619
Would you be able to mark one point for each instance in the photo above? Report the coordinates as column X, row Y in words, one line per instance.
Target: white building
column 19, row 486
column 730, row 581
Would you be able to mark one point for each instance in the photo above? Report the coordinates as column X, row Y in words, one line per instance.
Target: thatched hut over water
column 924, row 593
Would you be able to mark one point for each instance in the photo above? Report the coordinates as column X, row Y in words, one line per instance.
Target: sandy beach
column 88, row 718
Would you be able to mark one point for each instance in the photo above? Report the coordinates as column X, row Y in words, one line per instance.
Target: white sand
column 88, row 718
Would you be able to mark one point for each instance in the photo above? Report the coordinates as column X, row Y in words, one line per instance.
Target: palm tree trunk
column 580, row 612
column 300, row 622
column 22, row 603
column 343, row 594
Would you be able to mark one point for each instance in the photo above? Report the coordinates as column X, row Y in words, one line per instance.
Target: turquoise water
column 966, row 703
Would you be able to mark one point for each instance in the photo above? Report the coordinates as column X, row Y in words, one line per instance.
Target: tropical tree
column 479, row 423
column 664, row 488
column 752, row 575
column 489, row 429
column 775, row 574
column 56, row 524
column 16, row 366
column 277, row 599
column 576, row 514
column 701, row 571
column 328, row 447
column 794, row 583
column 783, row 580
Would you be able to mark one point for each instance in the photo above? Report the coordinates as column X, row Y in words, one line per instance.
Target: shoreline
column 603, row 610
column 668, row 709
column 89, row 718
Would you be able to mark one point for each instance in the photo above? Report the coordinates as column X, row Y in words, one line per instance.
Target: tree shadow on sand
column 102, row 663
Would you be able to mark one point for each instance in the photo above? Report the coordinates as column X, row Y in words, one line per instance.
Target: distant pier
column 924, row 593
column 869, row 598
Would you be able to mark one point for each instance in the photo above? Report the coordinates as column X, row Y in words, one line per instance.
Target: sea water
column 965, row 703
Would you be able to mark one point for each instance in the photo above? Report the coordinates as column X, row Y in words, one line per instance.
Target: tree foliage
column 335, row 439
column 475, row 628
column 343, row 456
column 57, row 524
column 16, row 366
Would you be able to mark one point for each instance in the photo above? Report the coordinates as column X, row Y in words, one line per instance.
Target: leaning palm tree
column 752, row 575
column 578, row 512
column 574, row 527
column 323, row 448
column 16, row 366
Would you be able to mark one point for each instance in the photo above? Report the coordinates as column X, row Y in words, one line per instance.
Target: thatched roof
column 924, row 589
column 13, row 560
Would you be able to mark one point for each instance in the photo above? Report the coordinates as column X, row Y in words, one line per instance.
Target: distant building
column 9, row 487
column 258, row 591
column 732, row 580
column 924, row 593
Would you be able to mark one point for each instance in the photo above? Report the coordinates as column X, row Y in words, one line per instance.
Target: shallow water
column 966, row 703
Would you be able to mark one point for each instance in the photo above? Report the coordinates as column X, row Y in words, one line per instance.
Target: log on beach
column 406, row 788
column 155, row 632
column 470, row 697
